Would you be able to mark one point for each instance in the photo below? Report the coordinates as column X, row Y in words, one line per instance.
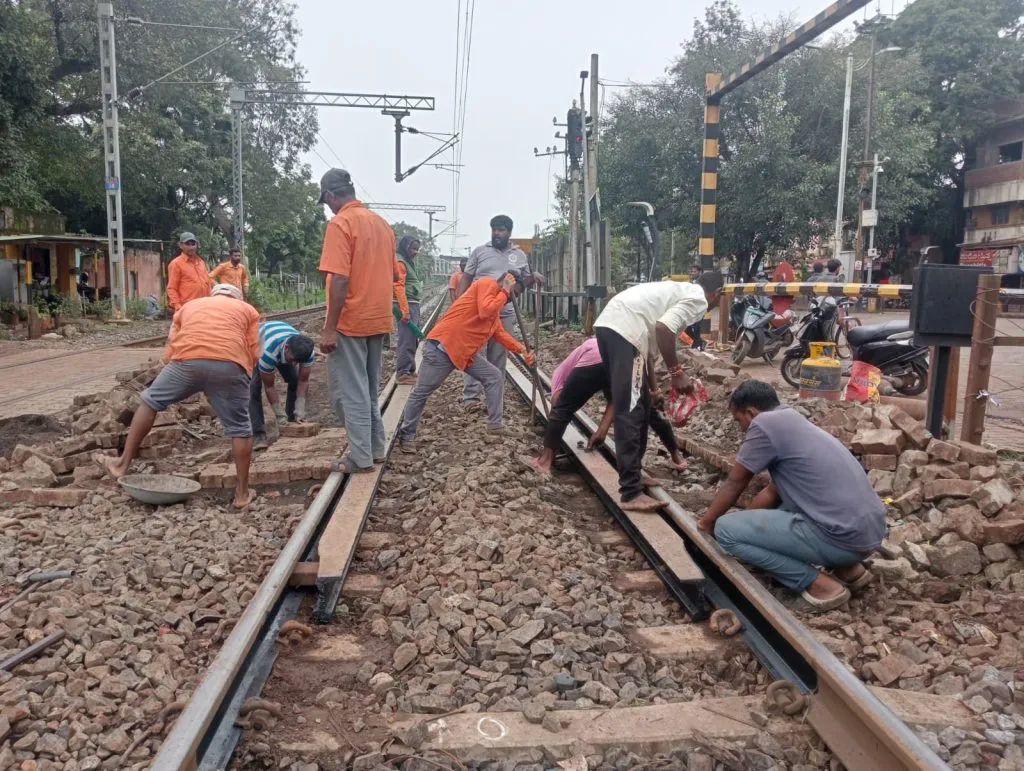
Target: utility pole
column 111, row 155
column 237, row 98
column 874, row 222
column 588, row 245
column 840, row 199
column 865, row 165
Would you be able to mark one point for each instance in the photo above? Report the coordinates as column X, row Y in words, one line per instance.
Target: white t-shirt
column 634, row 312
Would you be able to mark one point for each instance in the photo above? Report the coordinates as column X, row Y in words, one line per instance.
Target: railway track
column 861, row 729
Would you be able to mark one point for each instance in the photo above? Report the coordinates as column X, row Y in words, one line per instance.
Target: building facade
column 994, row 197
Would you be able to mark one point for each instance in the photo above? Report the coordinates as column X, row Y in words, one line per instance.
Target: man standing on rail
column 494, row 260
column 212, row 347
column 408, row 290
column 187, row 276
column 457, row 342
column 819, row 509
column 359, row 261
column 233, row 271
column 282, row 349
column 633, row 324
column 454, row 281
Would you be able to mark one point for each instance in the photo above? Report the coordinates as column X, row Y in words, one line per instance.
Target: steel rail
column 243, row 663
column 861, row 730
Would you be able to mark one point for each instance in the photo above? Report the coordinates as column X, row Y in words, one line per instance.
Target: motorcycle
column 762, row 332
column 817, row 326
column 890, row 347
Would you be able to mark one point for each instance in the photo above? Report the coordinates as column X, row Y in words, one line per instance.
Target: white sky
column 525, row 62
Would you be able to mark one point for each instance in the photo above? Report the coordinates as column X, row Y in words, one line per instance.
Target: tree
column 427, row 247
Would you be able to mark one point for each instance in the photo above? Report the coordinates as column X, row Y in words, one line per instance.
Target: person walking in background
column 454, row 281
column 282, row 349
column 408, row 289
column 359, row 261
column 187, row 276
column 233, row 272
column 212, row 347
column 834, row 270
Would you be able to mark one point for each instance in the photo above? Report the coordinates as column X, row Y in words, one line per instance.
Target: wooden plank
column 685, row 642
column 638, row 581
column 1009, row 340
column 608, row 538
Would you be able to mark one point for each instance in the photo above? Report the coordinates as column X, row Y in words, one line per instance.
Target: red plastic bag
column 679, row 407
column 863, row 384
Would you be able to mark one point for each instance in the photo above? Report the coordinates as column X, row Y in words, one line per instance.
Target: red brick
column 879, row 462
column 299, row 430
column 950, row 488
column 158, row 452
column 300, row 472
column 910, row 501
column 966, row 522
column 976, row 455
column 984, row 473
column 321, row 471
column 914, row 458
column 218, row 475
column 913, row 430
column 170, row 435
column 1011, row 532
column 75, row 445
column 890, row 669
column 109, row 441
column 63, row 498
column 269, row 474
column 946, row 451
column 993, row 496
column 878, row 441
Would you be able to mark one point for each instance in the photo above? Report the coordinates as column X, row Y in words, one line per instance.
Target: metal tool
column 537, row 387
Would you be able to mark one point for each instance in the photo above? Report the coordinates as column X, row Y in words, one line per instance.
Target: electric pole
column 111, row 155
column 865, row 165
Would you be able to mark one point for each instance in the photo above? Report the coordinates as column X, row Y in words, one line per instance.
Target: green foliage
column 135, row 308
column 427, row 247
column 272, row 294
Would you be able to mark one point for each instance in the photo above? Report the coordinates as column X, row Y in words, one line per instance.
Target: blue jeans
column 783, row 543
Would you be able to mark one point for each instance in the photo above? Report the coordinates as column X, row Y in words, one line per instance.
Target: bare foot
column 642, row 503
column 111, row 466
column 242, row 498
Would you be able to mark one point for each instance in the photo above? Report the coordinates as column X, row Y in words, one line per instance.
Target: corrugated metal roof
column 71, row 238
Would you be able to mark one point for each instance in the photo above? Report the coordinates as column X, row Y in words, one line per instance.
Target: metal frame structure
column 430, row 209
column 717, row 87
column 111, row 154
column 388, row 104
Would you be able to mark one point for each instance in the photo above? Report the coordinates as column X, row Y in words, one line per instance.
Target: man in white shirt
column 634, row 324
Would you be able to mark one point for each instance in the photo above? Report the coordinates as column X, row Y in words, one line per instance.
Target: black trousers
column 290, row 374
column 580, row 386
column 619, row 355
column 694, row 332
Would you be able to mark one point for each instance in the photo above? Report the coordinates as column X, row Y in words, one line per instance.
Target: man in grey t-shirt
column 819, row 509
column 494, row 260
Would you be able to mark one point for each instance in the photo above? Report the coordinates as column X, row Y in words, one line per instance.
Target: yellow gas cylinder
column 821, row 373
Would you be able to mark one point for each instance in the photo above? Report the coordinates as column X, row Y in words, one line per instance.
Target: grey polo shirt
column 488, row 262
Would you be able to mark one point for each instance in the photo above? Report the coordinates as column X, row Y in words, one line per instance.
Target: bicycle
column 846, row 322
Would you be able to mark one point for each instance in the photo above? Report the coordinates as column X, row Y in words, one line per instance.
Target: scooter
column 817, row 326
column 762, row 333
column 890, row 347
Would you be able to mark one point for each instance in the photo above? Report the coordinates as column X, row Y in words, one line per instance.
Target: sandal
column 829, row 604
column 345, row 465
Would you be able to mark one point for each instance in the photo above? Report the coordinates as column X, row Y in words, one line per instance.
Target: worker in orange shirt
column 456, row 343
column 233, row 272
column 213, row 346
column 358, row 259
column 455, row 280
column 187, row 276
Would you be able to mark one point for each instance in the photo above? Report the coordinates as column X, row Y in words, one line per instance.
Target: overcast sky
column 526, row 57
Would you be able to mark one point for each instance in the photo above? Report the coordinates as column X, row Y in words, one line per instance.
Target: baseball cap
column 185, row 237
column 228, row 290
column 335, row 181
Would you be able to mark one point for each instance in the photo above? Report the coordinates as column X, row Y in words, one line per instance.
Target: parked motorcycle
column 762, row 332
column 817, row 326
column 890, row 347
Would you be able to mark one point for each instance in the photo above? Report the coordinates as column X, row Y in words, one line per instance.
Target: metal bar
column 983, row 338
column 31, row 651
column 809, row 288
column 333, row 99
column 426, row 208
column 825, row 20
column 709, row 176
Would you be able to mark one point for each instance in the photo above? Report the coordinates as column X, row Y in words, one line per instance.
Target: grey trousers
column 496, row 355
column 353, row 373
column 407, row 342
column 434, row 370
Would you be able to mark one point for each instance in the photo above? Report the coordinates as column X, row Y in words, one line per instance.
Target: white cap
column 227, row 289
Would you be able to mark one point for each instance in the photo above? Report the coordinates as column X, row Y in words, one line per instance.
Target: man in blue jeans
column 819, row 511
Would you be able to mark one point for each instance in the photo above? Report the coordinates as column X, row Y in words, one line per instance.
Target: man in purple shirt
column 819, row 510
column 581, row 375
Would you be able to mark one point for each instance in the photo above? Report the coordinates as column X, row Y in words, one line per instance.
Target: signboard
column 525, row 244
column 869, row 218
column 111, row 183
column 1000, row 260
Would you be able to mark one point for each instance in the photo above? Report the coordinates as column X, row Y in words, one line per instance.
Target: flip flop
column 346, row 465
column 643, row 504
column 830, row 604
column 248, row 500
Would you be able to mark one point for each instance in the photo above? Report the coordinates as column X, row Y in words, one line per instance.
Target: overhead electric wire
column 461, row 108
column 367, row 198
column 455, row 111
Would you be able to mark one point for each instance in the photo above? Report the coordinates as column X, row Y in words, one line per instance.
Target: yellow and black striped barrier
column 815, row 289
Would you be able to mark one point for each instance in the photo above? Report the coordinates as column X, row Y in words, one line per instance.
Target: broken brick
column 914, row 458
column 913, row 430
column 218, row 475
column 984, row 473
column 946, row 451
column 170, row 435
column 950, row 488
column 910, row 501
column 269, row 474
column 878, row 441
column 299, row 430
column 889, row 669
column 62, row 498
column 1009, row 532
column 881, row 481
column 966, row 522
column 879, row 462
column 992, row 496
column 976, row 455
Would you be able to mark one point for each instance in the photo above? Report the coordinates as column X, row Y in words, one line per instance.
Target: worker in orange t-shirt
column 361, row 266
column 187, row 276
column 233, row 271
column 456, row 342
column 213, row 346
column 455, row 280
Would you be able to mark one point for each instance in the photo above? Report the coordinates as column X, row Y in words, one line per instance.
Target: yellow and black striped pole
column 709, row 176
